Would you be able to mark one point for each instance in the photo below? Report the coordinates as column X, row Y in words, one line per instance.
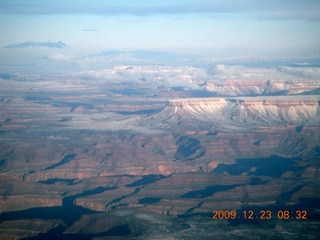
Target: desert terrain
column 149, row 152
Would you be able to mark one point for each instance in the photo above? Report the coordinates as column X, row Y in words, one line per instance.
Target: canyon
column 98, row 159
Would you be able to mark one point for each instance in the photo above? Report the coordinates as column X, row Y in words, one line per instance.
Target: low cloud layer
column 222, row 72
column 138, row 57
column 148, row 76
column 302, row 72
column 58, row 44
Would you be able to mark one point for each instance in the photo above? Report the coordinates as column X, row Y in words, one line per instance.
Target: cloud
column 60, row 57
column 58, row 44
column 223, row 72
column 90, row 30
column 147, row 76
column 138, row 57
column 280, row 9
column 302, row 72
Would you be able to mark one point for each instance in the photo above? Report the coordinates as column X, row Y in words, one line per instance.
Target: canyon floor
column 97, row 159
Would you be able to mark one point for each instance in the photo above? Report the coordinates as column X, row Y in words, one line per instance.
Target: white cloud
column 302, row 72
column 60, row 57
column 223, row 72
column 149, row 76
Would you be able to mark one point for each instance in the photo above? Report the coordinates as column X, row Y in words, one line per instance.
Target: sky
column 65, row 30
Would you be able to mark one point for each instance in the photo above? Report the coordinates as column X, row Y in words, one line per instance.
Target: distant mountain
column 151, row 57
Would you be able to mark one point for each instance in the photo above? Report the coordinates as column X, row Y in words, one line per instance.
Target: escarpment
column 241, row 112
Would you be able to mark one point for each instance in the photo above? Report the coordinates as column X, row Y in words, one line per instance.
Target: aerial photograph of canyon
column 159, row 119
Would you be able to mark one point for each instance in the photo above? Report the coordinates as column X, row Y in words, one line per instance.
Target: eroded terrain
column 144, row 160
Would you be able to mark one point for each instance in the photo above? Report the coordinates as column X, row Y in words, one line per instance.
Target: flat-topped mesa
column 288, row 101
column 194, row 102
column 241, row 111
column 285, row 101
column 245, row 83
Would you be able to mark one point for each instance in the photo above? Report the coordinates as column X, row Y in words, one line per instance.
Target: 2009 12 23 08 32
column 262, row 214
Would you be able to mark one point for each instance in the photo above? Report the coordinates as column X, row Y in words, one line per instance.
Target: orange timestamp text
column 262, row 214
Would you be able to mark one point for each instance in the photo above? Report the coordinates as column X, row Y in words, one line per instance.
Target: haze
column 39, row 32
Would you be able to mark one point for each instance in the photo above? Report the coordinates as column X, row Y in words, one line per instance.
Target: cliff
column 240, row 112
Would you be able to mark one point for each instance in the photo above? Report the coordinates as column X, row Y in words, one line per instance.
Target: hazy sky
column 67, row 28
